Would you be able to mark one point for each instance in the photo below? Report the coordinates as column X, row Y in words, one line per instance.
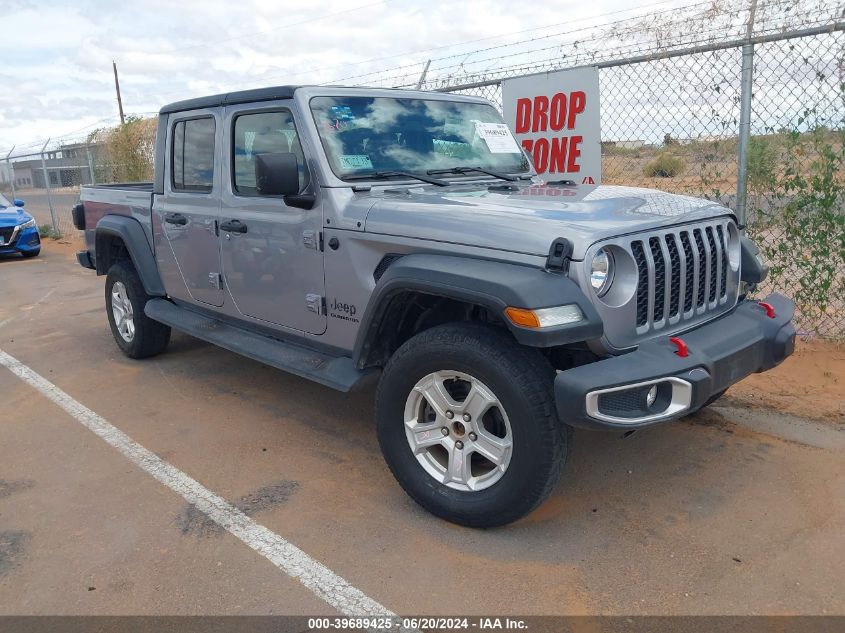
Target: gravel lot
column 733, row 511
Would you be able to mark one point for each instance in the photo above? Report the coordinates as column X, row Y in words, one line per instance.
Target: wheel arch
column 119, row 238
column 463, row 288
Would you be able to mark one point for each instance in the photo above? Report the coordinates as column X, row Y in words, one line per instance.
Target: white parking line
column 318, row 578
column 37, row 303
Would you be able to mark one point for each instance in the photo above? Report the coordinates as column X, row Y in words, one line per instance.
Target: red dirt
column 810, row 383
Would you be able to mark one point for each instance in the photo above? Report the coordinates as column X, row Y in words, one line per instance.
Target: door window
column 193, row 155
column 263, row 133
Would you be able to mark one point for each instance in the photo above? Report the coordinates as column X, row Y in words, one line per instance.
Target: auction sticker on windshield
column 355, row 161
column 498, row 138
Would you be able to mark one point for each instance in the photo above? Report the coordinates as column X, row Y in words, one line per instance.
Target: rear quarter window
column 192, row 164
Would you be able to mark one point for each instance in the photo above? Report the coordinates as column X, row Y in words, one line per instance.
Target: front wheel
column 137, row 335
column 467, row 424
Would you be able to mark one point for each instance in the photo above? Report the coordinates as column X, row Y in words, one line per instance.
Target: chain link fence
column 47, row 181
column 680, row 91
column 672, row 121
column 47, row 178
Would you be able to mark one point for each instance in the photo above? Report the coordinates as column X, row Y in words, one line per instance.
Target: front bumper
column 84, row 260
column 21, row 241
column 611, row 394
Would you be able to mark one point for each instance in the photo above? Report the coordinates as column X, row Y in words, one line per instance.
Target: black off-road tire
column 150, row 337
column 520, row 378
column 29, row 254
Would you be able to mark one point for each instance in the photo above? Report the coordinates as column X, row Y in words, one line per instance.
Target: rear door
column 190, row 207
column 270, row 252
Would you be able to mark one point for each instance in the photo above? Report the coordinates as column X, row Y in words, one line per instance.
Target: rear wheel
column 467, row 424
column 137, row 335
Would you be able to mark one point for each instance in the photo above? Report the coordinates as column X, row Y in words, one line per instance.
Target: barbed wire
column 692, row 25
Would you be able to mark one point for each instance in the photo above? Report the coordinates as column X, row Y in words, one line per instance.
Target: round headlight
column 601, row 272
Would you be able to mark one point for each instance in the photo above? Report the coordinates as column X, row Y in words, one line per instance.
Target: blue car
column 18, row 230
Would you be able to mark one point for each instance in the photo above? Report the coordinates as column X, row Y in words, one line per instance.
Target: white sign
column 555, row 117
column 498, row 138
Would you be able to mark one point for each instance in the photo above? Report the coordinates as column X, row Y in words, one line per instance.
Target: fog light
column 651, row 396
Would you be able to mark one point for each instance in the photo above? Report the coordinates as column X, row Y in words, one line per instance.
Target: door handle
column 233, row 226
column 176, row 218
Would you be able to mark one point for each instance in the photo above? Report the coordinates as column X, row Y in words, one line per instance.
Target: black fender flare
column 493, row 285
column 132, row 234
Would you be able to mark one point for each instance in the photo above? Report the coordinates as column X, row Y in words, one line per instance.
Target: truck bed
column 131, row 194
column 134, row 186
column 133, row 199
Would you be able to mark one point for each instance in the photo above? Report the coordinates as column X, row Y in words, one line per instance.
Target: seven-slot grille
column 682, row 273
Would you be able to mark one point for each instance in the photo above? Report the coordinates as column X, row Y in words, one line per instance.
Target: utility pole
column 117, row 89
column 424, row 73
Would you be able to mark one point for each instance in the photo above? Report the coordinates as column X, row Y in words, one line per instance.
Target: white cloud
column 58, row 78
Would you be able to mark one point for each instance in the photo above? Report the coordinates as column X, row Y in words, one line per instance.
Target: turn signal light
column 545, row 317
column 520, row 316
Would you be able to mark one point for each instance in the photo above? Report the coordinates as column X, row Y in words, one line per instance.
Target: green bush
column 807, row 214
column 46, row 230
column 665, row 165
column 762, row 165
column 129, row 150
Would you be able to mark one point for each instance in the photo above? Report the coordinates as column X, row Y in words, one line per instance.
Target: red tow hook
column 683, row 352
column 770, row 311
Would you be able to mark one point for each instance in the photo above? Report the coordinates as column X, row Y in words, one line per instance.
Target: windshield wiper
column 480, row 170
column 391, row 174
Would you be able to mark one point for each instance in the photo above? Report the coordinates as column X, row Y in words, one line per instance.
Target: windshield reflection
column 366, row 135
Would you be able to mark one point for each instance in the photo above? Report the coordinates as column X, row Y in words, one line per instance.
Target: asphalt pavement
column 726, row 512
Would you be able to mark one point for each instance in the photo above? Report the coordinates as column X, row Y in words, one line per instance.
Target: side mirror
column 18, row 202
column 277, row 174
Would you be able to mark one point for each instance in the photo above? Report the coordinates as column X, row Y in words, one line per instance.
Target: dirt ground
column 736, row 510
column 811, row 384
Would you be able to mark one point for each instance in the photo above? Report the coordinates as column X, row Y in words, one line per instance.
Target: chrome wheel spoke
column 117, row 308
column 425, row 435
column 121, row 307
column 458, row 470
column 434, row 391
column 492, row 448
column 478, row 401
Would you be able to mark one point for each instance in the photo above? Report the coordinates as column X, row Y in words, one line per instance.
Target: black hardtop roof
column 250, row 96
column 229, row 98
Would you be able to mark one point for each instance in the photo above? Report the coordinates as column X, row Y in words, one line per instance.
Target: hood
column 12, row 216
column 527, row 220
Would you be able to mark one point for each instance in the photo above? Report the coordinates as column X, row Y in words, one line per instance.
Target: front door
column 190, row 207
column 270, row 252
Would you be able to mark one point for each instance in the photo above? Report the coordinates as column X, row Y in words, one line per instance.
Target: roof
column 277, row 92
column 229, row 98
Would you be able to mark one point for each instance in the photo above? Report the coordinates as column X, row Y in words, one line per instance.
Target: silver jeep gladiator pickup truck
column 336, row 233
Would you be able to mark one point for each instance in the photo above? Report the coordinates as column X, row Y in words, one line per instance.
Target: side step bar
column 336, row 372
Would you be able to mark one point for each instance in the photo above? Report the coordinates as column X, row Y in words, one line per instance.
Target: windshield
column 4, row 202
column 366, row 135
